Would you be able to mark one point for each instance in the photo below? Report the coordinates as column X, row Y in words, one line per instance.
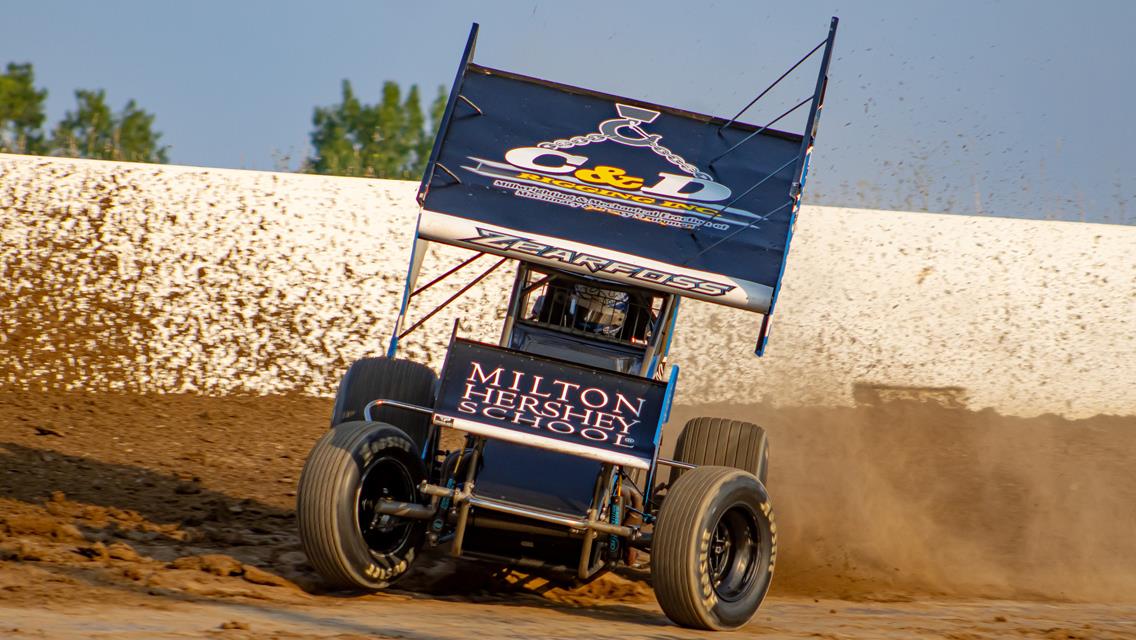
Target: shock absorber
column 613, row 540
column 438, row 523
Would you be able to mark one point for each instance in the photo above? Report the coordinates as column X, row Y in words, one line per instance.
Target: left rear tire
column 373, row 378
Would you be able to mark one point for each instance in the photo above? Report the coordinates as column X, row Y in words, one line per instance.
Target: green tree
column 21, row 111
column 93, row 131
column 426, row 144
column 390, row 139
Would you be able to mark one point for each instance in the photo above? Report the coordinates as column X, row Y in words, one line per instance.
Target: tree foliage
column 390, row 139
column 91, row 130
column 21, row 111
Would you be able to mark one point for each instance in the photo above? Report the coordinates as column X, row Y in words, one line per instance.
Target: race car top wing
column 618, row 188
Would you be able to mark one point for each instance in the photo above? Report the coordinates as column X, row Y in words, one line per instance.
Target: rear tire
column 348, row 469
column 723, row 443
column 714, row 547
column 374, row 378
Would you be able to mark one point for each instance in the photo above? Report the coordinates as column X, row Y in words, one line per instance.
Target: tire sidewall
column 375, row 569
column 745, row 491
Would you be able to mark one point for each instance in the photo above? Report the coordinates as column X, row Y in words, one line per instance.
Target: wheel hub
column 734, row 552
column 385, row 479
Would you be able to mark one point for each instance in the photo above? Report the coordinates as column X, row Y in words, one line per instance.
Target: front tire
column 714, row 548
column 348, row 470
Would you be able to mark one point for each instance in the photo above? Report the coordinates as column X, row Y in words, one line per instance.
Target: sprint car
column 610, row 211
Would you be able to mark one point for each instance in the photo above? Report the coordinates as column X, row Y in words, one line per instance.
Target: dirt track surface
column 131, row 516
column 408, row 616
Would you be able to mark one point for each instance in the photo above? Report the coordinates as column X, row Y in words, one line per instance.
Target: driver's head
column 599, row 310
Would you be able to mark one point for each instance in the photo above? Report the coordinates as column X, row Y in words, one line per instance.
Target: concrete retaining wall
column 147, row 278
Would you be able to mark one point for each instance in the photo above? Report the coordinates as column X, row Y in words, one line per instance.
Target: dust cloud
column 881, row 500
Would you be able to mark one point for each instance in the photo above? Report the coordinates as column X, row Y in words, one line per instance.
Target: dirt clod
column 256, row 575
column 96, row 551
column 220, row 565
column 67, row 531
column 120, row 551
column 187, row 489
column 20, row 550
column 30, row 524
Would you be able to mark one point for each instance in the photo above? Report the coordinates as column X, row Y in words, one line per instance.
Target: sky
column 1018, row 109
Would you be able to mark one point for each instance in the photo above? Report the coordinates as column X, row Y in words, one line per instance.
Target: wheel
column 713, row 551
column 724, row 443
column 348, row 470
column 373, row 378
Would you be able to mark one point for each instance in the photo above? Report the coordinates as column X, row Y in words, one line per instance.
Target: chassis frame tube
column 580, row 524
column 411, row 510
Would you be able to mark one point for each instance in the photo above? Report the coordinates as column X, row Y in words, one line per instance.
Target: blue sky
column 1000, row 108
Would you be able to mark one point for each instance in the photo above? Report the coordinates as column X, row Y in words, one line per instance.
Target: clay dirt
column 172, row 516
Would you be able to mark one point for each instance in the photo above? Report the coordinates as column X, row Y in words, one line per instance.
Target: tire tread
column 722, row 442
column 372, row 378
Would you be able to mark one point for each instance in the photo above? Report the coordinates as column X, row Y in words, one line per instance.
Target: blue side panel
column 668, row 398
column 537, row 477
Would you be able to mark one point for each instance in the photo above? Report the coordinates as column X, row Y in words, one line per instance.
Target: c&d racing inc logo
column 549, row 173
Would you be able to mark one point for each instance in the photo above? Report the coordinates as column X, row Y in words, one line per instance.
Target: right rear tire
column 714, row 547
column 349, row 470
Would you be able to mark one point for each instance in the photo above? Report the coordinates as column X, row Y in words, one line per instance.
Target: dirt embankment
column 193, row 496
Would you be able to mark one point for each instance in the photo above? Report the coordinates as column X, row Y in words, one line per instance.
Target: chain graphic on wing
column 613, row 130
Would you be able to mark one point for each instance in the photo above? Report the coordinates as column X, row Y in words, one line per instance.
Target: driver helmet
column 599, row 310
